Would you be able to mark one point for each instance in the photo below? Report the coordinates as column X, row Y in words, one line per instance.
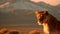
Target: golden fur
column 50, row 24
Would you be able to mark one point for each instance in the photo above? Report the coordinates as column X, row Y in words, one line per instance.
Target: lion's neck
column 46, row 28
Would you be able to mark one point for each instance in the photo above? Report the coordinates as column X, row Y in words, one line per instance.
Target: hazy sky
column 51, row 2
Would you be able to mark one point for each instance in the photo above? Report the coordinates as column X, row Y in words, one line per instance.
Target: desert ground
column 21, row 30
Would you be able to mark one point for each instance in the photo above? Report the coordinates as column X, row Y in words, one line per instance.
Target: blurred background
column 20, row 13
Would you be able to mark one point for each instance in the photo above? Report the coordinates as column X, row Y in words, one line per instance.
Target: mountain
column 22, row 12
column 57, row 7
column 18, row 18
column 22, row 4
column 48, row 7
column 19, row 12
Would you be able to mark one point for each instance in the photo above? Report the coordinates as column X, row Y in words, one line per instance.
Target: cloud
column 51, row 2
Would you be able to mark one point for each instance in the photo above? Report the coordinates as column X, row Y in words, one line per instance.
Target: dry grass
column 21, row 30
column 34, row 32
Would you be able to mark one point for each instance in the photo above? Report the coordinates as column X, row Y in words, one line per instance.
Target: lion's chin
column 39, row 23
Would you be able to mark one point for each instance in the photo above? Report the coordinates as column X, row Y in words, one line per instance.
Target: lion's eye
column 42, row 15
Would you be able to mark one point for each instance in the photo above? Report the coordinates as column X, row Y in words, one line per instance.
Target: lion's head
column 43, row 17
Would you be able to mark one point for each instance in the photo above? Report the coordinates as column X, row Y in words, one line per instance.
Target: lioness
column 50, row 24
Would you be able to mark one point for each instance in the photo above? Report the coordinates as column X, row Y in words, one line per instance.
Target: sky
column 51, row 2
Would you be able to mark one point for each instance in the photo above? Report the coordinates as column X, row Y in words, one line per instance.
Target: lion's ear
column 36, row 12
column 46, row 12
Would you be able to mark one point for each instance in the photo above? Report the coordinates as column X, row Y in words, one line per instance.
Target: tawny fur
column 50, row 24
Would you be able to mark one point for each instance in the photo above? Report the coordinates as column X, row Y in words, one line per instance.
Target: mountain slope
column 23, row 5
column 23, row 12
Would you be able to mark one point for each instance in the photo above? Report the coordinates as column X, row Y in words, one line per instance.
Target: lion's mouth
column 39, row 23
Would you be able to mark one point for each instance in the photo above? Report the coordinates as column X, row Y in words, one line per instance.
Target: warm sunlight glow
column 51, row 2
